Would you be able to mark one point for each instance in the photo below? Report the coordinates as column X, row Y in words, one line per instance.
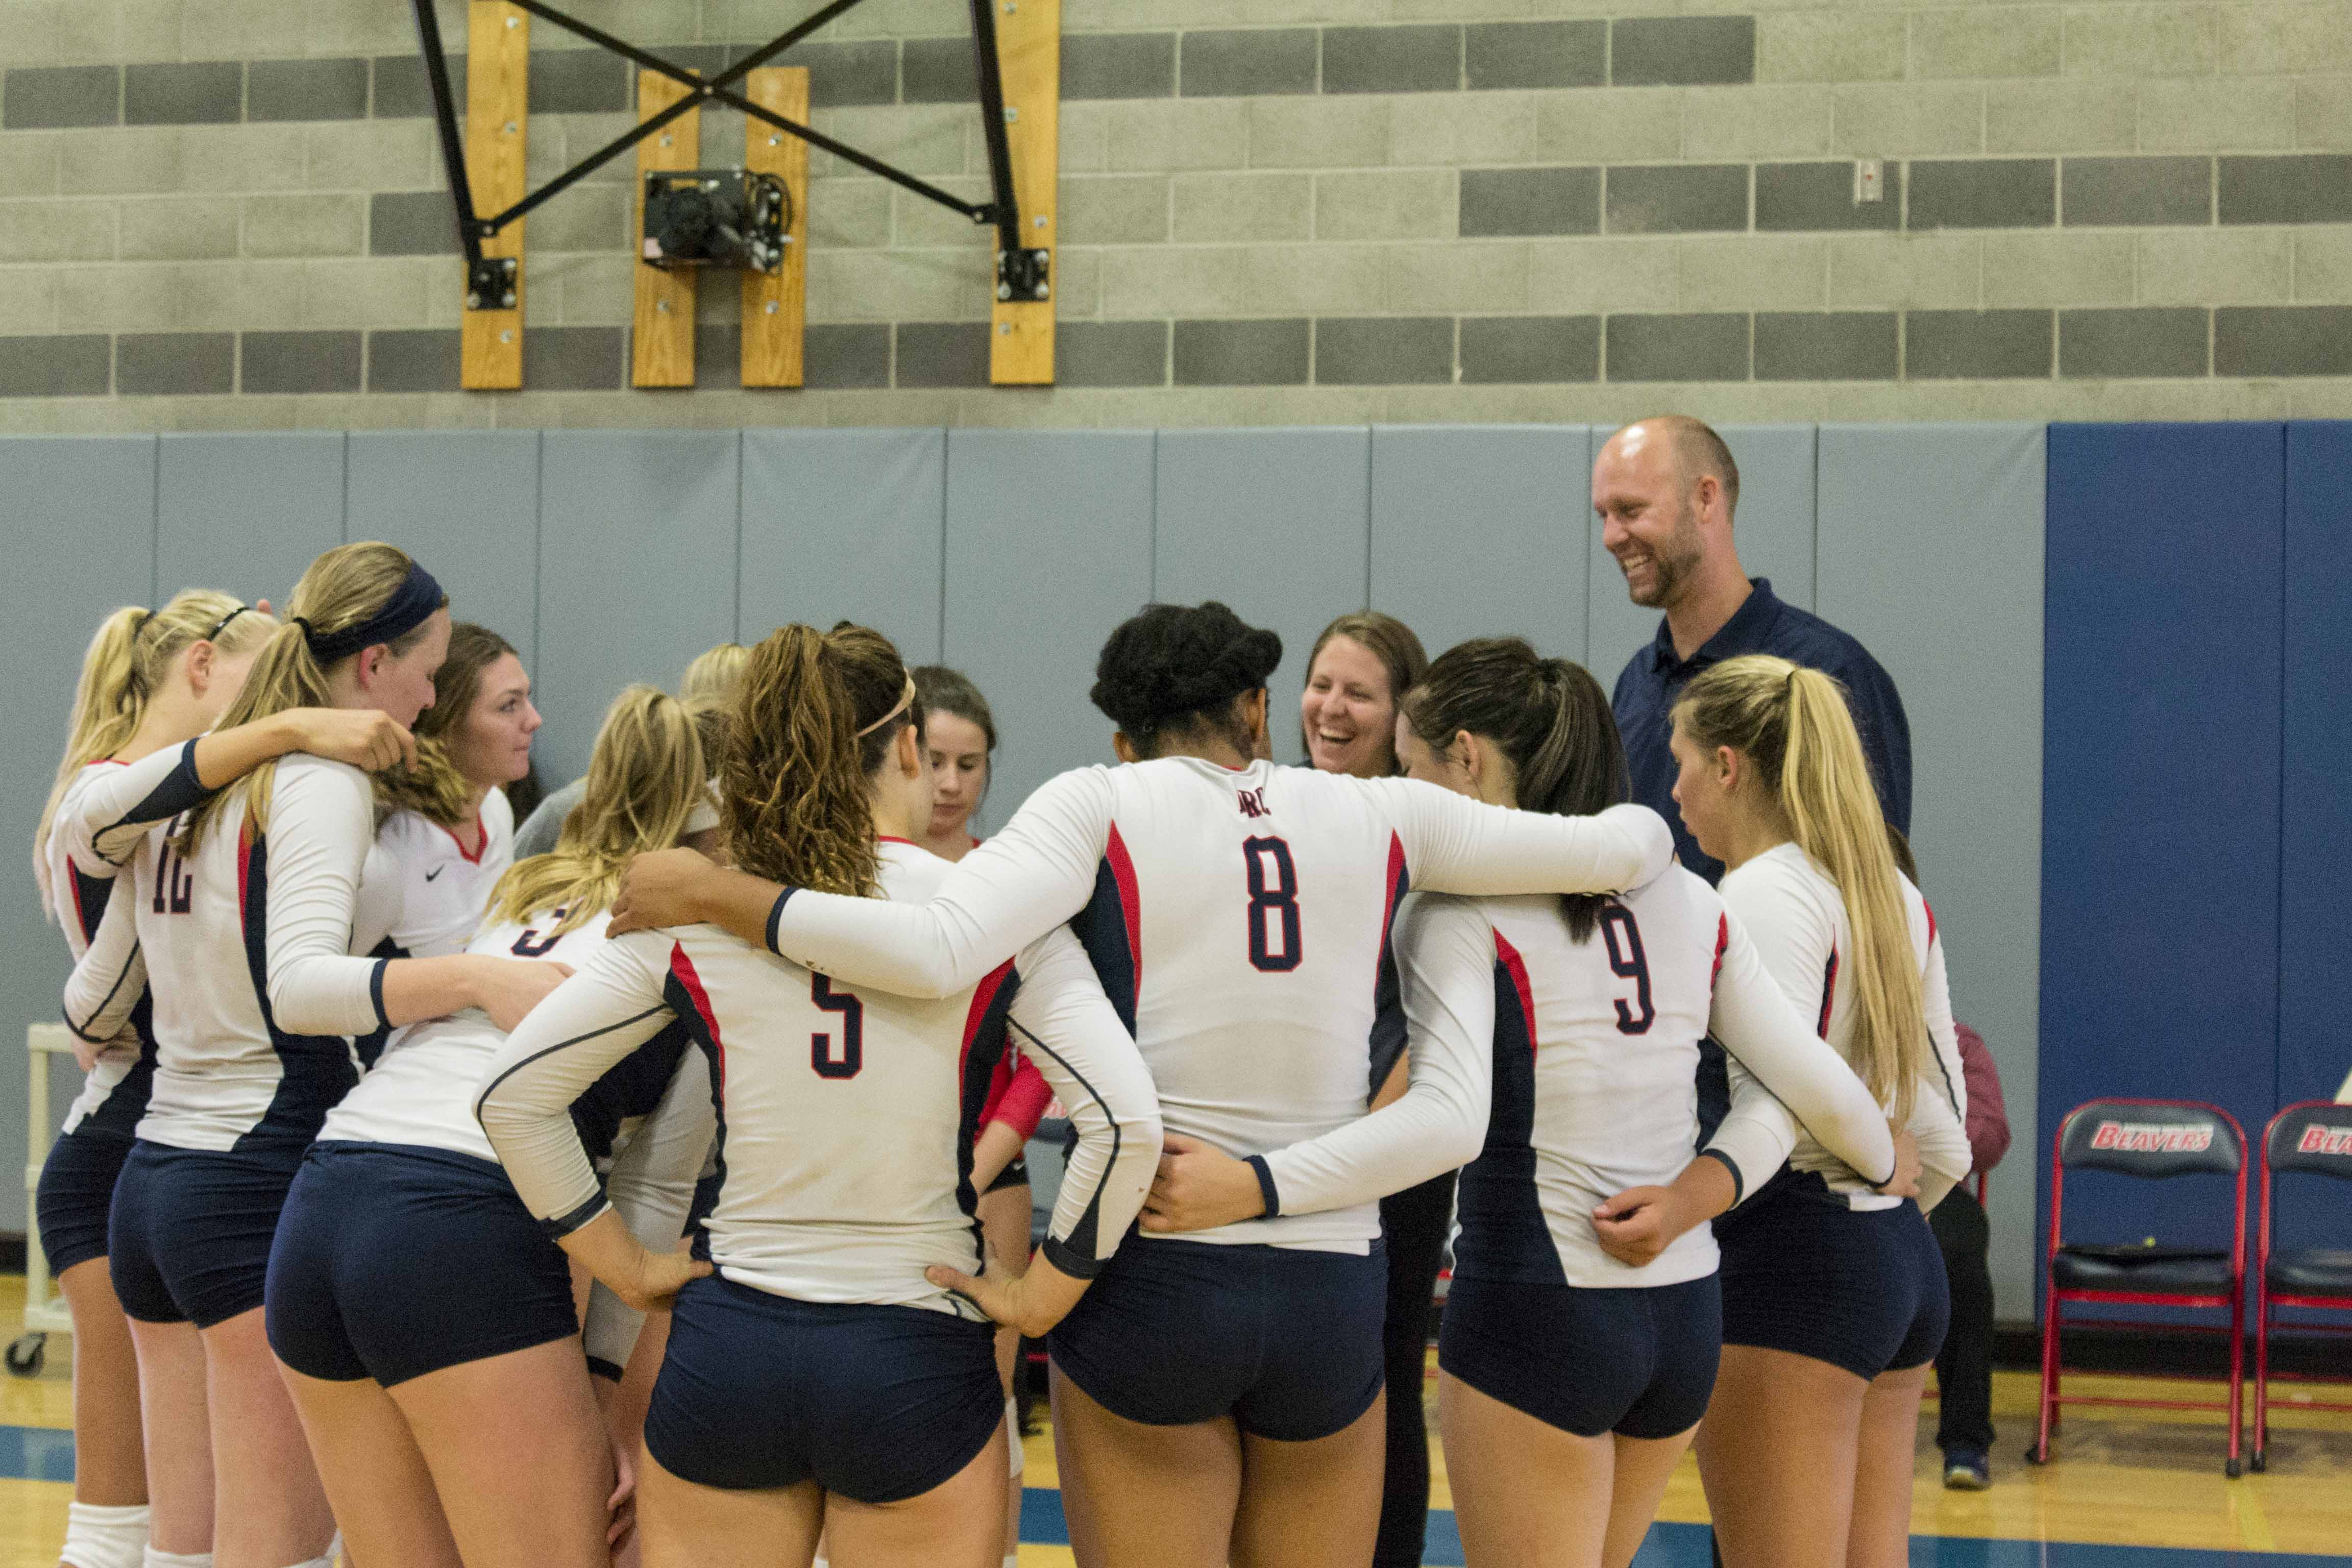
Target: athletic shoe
column 1966, row 1471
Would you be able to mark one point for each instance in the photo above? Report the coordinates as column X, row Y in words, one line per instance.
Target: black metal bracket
column 490, row 280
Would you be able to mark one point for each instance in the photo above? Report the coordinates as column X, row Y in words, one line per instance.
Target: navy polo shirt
column 1654, row 676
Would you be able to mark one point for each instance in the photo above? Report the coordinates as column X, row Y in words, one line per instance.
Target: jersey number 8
column 853, row 1031
column 1272, row 906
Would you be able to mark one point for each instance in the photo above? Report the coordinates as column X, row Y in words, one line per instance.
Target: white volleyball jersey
column 1798, row 920
column 1239, row 919
column 425, row 890
column 846, row 1117
column 249, row 948
column 430, row 898
column 114, row 1095
column 1594, row 1055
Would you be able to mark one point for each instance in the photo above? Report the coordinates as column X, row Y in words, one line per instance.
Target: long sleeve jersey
column 1592, row 1049
column 845, row 1118
column 1240, row 920
column 114, row 1095
column 1799, row 922
column 249, row 947
column 425, row 891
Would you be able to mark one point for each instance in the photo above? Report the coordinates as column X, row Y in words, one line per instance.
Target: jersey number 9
column 853, row 1031
column 1272, row 906
column 1628, row 962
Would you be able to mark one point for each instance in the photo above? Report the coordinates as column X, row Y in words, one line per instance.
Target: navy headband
column 411, row 605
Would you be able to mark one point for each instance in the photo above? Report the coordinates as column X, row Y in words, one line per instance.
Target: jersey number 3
column 852, row 1056
column 1628, row 962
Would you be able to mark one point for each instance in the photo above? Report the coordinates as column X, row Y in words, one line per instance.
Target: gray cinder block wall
column 227, row 214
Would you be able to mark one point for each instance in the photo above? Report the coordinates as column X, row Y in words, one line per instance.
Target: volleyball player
column 1358, row 671
column 1216, row 1395
column 152, row 685
column 243, row 916
column 711, row 679
column 449, row 836
column 1835, row 1297
column 456, row 1422
column 821, row 1379
column 1582, row 1329
column 959, row 732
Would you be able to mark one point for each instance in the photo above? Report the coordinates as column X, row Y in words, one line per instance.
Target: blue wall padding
column 2316, row 830
column 2160, row 792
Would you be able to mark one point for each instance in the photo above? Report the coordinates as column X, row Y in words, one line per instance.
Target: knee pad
column 104, row 1537
column 155, row 1559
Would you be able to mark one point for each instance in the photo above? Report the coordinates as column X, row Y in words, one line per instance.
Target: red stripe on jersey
column 681, row 968
column 243, row 861
column 1131, row 902
column 1392, row 888
column 1722, row 945
column 474, row 856
column 1931, row 920
column 1516, row 968
column 1829, row 994
column 982, row 995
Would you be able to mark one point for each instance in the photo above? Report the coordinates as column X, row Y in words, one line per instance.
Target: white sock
column 104, row 1537
column 155, row 1559
column 1013, row 1436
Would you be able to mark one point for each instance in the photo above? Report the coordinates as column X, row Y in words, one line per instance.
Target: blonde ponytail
column 343, row 589
column 1794, row 725
column 126, row 664
column 645, row 777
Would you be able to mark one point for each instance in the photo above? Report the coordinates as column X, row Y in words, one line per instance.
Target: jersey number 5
column 853, row 1031
column 1272, row 906
column 1628, row 962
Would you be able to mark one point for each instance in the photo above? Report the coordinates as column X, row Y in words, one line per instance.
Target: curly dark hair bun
column 1174, row 664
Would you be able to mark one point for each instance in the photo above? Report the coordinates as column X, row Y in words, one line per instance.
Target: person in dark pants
column 1359, row 669
column 1964, row 1367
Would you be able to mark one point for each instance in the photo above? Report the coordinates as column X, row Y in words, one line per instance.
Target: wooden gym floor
column 2128, row 1489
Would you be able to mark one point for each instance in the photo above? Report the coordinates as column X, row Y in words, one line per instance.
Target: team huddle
column 430, row 1203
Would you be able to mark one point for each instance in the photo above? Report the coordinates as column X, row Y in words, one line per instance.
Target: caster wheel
column 26, row 1354
column 2233, row 1469
column 2259, row 1463
column 2036, row 1455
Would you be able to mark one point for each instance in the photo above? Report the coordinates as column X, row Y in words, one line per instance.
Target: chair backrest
column 2151, row 1138
column 2314, row 1135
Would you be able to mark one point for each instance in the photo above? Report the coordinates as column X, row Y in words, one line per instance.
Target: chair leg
column 2260, row 1458
column 2039, row 1453
column 2233, row 1467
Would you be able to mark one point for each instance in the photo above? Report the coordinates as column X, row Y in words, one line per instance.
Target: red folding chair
column 2150, row 1140
column 2314, row 1136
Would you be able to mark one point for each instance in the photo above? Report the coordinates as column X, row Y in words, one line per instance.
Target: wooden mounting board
column 775, row 305
column 1029, row 53
column 662, row 346
column 497, row 68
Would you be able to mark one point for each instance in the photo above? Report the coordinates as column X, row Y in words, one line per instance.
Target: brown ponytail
column 817, row 715
column 1794, row 725
column 1549, row 716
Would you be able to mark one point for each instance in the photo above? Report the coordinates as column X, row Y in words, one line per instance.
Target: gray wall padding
column 1272, row 522
column 1477, row 531
column 845, row 525
column 617, row 555
column 1931, row 553
column 636, row 571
